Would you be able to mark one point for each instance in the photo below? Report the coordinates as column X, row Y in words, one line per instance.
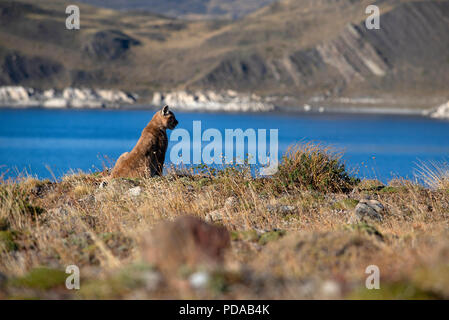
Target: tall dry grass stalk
column 434, row 174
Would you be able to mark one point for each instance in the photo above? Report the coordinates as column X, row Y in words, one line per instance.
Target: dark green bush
column 313, row 167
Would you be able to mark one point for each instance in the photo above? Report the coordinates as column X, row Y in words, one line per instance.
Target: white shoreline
column 21, row 97
column 277, row 109
column 226, row 101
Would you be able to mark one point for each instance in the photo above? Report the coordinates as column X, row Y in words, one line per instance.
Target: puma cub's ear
column 164, row 110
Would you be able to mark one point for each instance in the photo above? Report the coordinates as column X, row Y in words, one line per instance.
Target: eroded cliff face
column 410, row 52
column 22, row 97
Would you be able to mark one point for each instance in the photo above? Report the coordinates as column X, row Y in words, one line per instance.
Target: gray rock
column 199, row 279
column 135, row 192
column 368, row 210
column 281, row 209
column 152, row 280
column 67, row 98
column 442, row 112
column 330, row 289
column 187, row 241
column 60, row 211
column 217, row 215
column 212, row 101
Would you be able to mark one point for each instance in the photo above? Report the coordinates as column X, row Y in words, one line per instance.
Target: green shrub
column 41, row 278
column 7, row 241
column 314, row 167
column 253, row 236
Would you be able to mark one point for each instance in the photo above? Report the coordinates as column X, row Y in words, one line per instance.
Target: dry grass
column 434, row 174
column 310, row 251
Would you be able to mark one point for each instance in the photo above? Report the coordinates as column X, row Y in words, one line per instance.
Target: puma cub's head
column 167, row 118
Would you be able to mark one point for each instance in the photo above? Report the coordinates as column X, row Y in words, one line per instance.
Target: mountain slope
column 193, row 9
column 302, row 48
column 409, row 52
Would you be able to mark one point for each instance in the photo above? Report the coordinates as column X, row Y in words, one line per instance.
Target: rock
column 212, row 101
column 56, row 103
column 368, row 210
column 152, row 280
column 89, row 98
column 60, row 211
column 157, row 99
column 199, row 280
column 135, row 192
column 185, row 241
column 441, row 112
column 115, row 96
column 121, row 185
column 231, row 93
column 89, row 104
column 49, row 94
column 217, row 215
column 103, row 184
column 75, row 93
column 67, row 98
column 282, row 209
column 14, row 93
column 330, row 290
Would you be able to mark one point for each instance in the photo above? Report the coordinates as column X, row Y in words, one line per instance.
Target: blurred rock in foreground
column 185, row 241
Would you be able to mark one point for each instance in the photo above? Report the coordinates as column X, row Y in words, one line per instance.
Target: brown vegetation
column 304, row 248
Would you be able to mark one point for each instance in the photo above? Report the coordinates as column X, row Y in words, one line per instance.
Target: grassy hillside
column 300, row 48
column 190, row 9
column 293, row 236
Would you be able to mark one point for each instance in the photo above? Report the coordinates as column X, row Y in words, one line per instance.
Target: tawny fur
column 146, row 159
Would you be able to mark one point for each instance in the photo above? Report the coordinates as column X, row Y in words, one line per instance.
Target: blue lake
column 53, row 142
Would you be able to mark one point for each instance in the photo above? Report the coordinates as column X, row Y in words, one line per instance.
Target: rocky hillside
column 317, row 51
column 409, row 54
column 190, row 9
